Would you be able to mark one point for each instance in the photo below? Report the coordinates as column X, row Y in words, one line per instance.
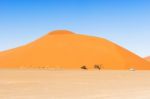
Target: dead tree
column 98, row 67
column 84, row 67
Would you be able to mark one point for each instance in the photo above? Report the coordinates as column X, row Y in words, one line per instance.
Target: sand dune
column 147, row 58
column 66, row 50
column 35, row 84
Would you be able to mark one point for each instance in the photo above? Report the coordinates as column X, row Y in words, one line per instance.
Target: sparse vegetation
column 84, row 67
column 98, row 67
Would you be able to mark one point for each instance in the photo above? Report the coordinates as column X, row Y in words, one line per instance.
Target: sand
column 46, row 84
column 67, row 50
column 147, row 58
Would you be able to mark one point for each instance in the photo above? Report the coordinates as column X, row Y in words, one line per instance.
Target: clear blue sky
column 125, row 22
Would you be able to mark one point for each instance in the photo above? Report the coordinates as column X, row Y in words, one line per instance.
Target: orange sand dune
column 147, row 58
column 66, row 50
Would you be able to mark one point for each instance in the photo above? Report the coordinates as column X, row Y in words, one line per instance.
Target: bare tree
column 84, row 67
column 98, row 67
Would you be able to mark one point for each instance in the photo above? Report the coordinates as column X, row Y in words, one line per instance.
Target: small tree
column 84, row 67
column 98, row 67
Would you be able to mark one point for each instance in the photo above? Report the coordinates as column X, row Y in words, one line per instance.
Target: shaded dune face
column 66, row 50
column 147, row 58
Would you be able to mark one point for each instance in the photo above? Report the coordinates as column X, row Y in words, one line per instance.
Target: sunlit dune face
column 63, row 49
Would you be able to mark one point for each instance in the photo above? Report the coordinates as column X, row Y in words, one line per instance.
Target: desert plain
column 67, row 65
column 74, row 84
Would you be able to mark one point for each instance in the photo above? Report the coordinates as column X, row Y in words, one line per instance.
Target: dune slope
column 147, row 58
column 66, row 50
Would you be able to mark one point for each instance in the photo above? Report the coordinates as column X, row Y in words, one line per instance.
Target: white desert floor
column 44, row 84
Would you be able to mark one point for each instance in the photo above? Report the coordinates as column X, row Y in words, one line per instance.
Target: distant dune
column 147, row 58
column 63, row 49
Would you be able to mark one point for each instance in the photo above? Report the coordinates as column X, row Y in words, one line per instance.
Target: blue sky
column 125, row 22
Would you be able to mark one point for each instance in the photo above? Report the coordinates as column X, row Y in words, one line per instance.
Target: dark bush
column 83, row 67
column 98, row 67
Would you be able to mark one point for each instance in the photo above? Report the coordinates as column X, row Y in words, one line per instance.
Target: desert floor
column 48, row 84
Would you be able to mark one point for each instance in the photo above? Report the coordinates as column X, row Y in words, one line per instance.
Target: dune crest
column 63, row 49
column 60, row 32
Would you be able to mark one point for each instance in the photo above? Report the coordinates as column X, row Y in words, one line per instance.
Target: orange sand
column 66, row 50
column 147, row 58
